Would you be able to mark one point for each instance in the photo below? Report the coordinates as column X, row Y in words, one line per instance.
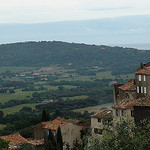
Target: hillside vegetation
column 117, row 59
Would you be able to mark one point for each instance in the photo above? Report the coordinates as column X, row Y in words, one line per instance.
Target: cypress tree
column 59, row 140
column 45, row 115
column 52, row 139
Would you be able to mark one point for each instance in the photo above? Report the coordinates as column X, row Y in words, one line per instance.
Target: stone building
column 70, row 129
column 98, row 119
column 132, row 99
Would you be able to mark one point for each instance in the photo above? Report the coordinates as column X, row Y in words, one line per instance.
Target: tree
column 50, row 143
column 1, row 116
column 123, row 135
column 59, row 140
column 4, row 144
column 45, row 115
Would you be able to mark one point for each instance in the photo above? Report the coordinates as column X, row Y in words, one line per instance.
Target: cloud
column 21, row 11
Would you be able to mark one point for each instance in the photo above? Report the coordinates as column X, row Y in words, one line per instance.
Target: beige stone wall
column 143, row 83
column 39, row 132
column 95, row 123
column 127, row 114
column 70, row 132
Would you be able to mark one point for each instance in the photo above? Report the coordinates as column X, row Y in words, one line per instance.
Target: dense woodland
column 65, row 85
column 117, row 59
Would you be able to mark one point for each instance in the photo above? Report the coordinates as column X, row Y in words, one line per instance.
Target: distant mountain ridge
column 116, row 59
column 125, row 30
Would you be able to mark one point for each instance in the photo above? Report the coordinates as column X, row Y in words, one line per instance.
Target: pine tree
column 45, row 115
column 59, row 140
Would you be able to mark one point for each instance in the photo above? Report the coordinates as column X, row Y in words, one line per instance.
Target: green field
column 16, row 69
column 93, row 108
column 99, row 75
column 17, row 108
column 19, row 95
column 2, row 126
column 75, row 97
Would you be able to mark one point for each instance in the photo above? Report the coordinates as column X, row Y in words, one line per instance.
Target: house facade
column 132, row 99
column 98, row 119
column 70, row 130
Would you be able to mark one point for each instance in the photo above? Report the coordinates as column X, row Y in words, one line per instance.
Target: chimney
column 142, row 65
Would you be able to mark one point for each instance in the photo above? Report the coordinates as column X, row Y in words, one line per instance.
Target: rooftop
column 106, row 114
column 15, row 139
column 145, row 71
column 36, row 142
column 53, row 125
column 130, row 86
column 127, row 103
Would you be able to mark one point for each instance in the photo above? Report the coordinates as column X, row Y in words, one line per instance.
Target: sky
column 37, row 11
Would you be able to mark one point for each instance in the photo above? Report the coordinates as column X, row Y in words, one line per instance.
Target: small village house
column 70, row 129
column 98, row 119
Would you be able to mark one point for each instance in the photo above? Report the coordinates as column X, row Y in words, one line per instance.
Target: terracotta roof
column 130, row 86
column 145, row 71
column 122, row 104
column 103, row 114
column 15, row 139
column 36, row 142
column 42, row 124
column 126, row 103
column 53, row 125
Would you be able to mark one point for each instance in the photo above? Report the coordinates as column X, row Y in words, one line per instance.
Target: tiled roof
column 145, row 71
column 42, row 124
column 53, row 125
column 126, row 103
column 130, row 86
column 122, row 104
column 103, row 114
column 36, row 142
column 15, row 139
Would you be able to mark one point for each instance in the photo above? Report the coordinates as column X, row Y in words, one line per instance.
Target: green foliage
column 4, row 144
column 78, row 55
column 45, row 115
column 59, row 139
column 1, row 116
column 123, row 135
column 50, row 144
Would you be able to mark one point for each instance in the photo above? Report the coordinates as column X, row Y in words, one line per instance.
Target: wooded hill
column 117, row 59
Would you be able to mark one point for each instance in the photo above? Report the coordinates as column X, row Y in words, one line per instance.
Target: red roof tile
column 127, row 103
column 36, row 142
column 103, row 114
column 145, row 71
column 15, row 139
column 130, row 86
column 53, row 125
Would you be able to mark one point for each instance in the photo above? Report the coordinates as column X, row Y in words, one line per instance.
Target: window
column 54, row 133
column 139, row 77
column 123, row 112
column 127, row 95
column 48, row 132
column 99, row 120
column 117, row 112
column 144, row 78
column 145, row 90
column 141, row 89
column 132, row 113
column 137, row 89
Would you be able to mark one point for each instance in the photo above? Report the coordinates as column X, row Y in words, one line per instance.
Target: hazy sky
column 34, row 11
